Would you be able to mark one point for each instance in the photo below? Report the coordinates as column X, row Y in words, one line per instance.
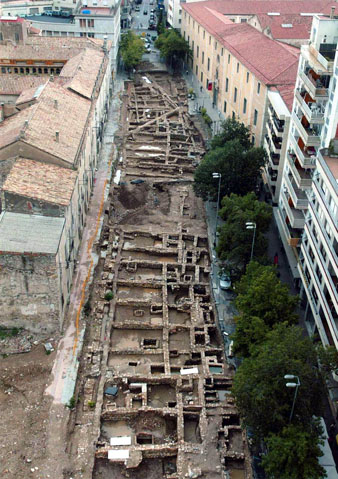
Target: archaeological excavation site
column 154, row 387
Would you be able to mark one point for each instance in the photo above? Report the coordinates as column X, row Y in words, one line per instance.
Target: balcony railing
column 302, row 177
column 310, row 136
column 275, row 142
column 305, row 158
column 314, row 112
column 273, row 157
column 314, row 88
column 298, row 196
column 292, row 235
column 296, row 217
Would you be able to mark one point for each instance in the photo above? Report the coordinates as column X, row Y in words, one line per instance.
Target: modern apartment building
column 279, row 107
column 307, row 215
column 236, row 65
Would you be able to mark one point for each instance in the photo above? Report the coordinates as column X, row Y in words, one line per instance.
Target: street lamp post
column 292, row 385
column 215, row 176
column 251, row 226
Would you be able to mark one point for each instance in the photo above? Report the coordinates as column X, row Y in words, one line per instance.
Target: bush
column 108, row 296
column 71, row 403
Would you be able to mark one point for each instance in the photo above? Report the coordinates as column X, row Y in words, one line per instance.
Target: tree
column 173, row 47
column 262, row 294
column 259, row 387
column 232, row 129
column 250, row 331
column 132, row 49
column 240, row 170
column 294, row 453
column 235, row 241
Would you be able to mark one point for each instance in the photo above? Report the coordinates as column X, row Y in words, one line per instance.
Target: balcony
column 301, row 176
column 296, row 217
column 273, row 157
column 275, row 142
column 314, row 87
column 310, row 136
column 298, row 196
column 278, row 126
column 306, row 157
column 292, row 236
column 314, row 112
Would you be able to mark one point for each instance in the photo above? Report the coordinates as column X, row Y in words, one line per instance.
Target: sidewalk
column 203, row 100
column 64, row 373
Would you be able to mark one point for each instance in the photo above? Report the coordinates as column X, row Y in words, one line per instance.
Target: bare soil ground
column 24, row 413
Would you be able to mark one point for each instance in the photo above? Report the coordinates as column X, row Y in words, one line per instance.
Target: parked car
column 137, row 8
column 65, row 14
column 225, row 280
column 152, row 26
column 49, row 13
column 145, row 12
column 56, row 13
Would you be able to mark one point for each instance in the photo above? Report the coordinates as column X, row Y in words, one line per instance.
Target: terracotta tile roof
column 30, row 94
column 10, row 128
column 41, row 181
column 46, row 117
column 83, row 69
column 253, row 7
column 287, row 26
column 68, row 117
column 15, row 84
column 271, row 61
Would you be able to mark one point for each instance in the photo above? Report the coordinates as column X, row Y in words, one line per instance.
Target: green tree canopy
column 259, row 387
column 262, row 294
column 173, row 47
column 235, row 241
column 294, row 453
column 240, row 170
column 250, row 331
column 132, row 49
column 232, row 129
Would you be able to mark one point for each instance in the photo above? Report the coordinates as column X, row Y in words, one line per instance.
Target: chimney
column 55, row 104
column 332, row 12
column 104, row 48
column 57, row 136
column 26, row 123
column 2, row 113
column 51, row 78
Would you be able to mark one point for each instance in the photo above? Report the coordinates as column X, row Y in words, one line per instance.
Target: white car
column 225, row 281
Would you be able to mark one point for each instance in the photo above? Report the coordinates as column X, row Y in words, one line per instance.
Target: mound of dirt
column 133, row 196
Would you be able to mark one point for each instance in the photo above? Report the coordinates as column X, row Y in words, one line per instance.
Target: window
column 235, row 95
column 215, row 45
column 203, row 34
column 237, row 67
column 225, row 107
column 197, row 51
column 243, row 20
column 196, row 72
column 244, row 105
column 228, row 58
column 247, row 77
column 258, row 88
column 201, row 77
column 198, row 29
column 226, row 85
column 233, row 115
column 208, row 64
column 222, row 51
column 253, row 139
column 17, row 38
column 209, row 40
column 255, row 117
column 193, row 46
column 207, row 83
column 1, row 37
